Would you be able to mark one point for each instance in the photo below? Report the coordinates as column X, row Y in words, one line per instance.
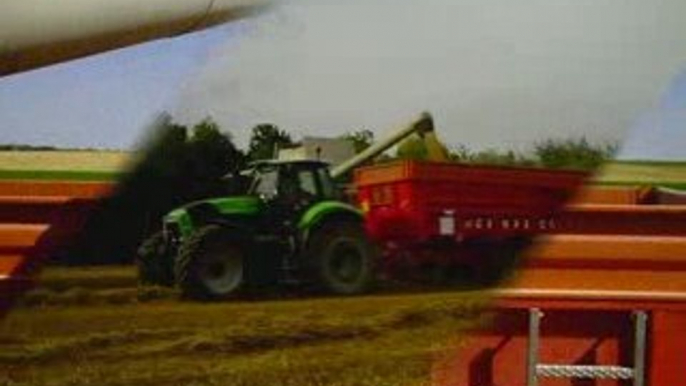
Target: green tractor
column 289, row 224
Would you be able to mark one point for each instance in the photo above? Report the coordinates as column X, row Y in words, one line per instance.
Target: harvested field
column 64, row 160
column 644, row 172
column 63, row 164
column 92, row 326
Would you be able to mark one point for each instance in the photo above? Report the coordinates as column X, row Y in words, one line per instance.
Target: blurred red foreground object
column 37, row 219
column 601, row 300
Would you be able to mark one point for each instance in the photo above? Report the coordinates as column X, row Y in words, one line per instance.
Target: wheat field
column 22, row 162
column 643, row 172
column 73, row 160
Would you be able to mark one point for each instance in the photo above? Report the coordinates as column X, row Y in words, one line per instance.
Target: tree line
column 572, row 154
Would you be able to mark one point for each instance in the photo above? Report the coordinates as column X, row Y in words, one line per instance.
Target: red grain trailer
column 433, row 215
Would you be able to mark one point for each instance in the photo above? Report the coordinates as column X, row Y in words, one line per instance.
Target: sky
column 106, row 100
column 660, row 133
column 503, row 73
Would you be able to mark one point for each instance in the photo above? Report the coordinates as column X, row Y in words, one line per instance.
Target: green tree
column 572, row 154
column 491, row 157
column 460, row 153
column 360, row 139
column 164, row 153
column 501, row 158
column 265, row 140
column 211, row 155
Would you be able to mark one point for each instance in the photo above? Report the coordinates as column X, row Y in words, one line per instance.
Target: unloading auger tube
column 37, row 33
column 423, row 125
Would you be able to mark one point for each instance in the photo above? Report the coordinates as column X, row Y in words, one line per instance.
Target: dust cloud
column 500, row 73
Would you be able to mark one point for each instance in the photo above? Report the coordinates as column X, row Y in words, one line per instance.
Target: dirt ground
column 95, row 327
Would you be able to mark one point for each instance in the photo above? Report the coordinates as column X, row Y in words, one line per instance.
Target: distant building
column 331, row 150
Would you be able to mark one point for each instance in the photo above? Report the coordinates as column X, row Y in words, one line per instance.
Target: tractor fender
column 212, row 211
column 208, row 214
column 325, row 212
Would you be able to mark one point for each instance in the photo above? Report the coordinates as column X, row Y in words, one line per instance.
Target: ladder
column 536, row 370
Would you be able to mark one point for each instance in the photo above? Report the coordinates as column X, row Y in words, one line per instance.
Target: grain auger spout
column 423, row 126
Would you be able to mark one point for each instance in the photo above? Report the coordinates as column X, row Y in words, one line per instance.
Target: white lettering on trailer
column 446, row 223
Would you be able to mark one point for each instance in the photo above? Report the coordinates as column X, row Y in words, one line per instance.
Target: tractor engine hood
column 247, row 205
column 226, row 206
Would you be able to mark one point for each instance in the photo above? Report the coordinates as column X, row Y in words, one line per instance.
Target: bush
column 573, row 154
column 576, row 154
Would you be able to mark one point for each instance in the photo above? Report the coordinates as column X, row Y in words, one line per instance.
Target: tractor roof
column 290, row 162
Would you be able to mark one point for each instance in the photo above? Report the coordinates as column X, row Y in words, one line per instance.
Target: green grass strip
column 648, row 162
column 671, row 185
column 62, row 175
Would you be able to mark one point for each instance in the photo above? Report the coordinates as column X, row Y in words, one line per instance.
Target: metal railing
column 536, row 370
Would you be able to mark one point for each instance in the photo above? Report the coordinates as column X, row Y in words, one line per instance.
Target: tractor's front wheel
column 210, row 264
column 341, row 259
column 155, row 262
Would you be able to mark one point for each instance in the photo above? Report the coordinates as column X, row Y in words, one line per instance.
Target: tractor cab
column 298, row 183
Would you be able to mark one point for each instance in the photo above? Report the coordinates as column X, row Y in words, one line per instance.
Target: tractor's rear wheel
column 155, row 262
column 341, row 259
column 210, row 264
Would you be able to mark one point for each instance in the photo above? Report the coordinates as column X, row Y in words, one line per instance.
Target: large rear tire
column 155, row 262
column 210, row 264
column 341, row 259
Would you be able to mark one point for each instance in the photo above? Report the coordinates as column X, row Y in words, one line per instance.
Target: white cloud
column 494, row 73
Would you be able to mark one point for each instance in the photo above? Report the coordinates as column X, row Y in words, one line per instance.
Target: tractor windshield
column 235, row 184
column 329, row 189
column 266, row 182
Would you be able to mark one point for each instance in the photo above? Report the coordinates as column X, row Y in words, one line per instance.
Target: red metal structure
column 422, row 202
column 574, row 338
column 583, row 310
column 36, row 218
column 433, row 215
column 418, row 205
column 600, row 300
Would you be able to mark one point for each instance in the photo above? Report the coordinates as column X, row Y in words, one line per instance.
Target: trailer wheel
column 210, row 264
column 155, row 262
column 341, row 259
